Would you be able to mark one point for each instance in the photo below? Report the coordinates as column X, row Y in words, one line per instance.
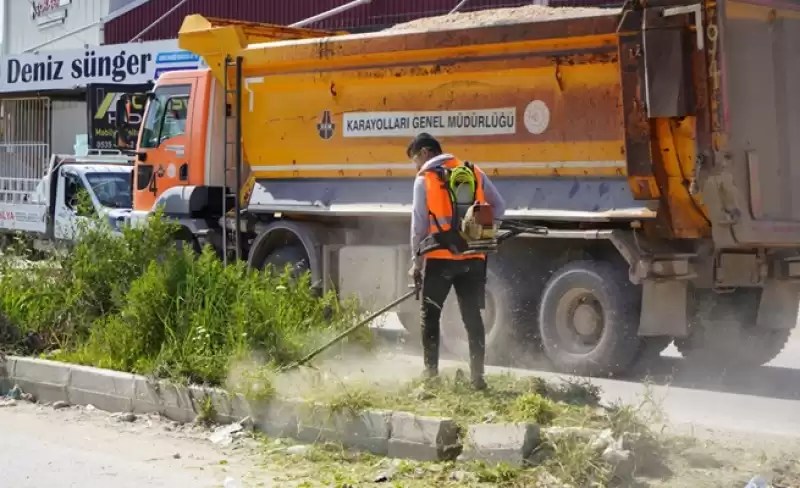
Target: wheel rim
column 580, row 321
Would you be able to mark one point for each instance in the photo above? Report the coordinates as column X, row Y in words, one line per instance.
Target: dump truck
column 42, row 202
column 657, row 142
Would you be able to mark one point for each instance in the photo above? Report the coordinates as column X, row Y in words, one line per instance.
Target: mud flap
column 778, row 306
column 664, row 309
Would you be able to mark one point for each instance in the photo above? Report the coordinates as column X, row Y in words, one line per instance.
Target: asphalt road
column 763, row 400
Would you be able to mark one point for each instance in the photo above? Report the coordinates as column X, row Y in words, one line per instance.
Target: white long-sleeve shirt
column 419, row 205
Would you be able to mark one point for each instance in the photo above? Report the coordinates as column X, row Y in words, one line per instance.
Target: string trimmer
column 366, row 321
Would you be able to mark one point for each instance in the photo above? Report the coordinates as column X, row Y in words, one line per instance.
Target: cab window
column 113, row 190
column 76, row 197
column 166, row 115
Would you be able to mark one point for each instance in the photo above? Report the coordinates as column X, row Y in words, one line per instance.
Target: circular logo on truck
column 325, row 127
column 536, row 117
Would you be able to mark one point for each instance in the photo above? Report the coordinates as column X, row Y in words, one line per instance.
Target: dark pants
column 468, row 277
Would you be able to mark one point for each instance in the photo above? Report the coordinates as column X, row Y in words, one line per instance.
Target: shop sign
column 49, row 13
column 140, row 62
column 44, row 7
column 104, row 120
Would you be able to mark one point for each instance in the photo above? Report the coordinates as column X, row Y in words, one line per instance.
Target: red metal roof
column 375, row 15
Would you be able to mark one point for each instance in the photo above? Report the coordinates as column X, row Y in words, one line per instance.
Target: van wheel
column 588, row 319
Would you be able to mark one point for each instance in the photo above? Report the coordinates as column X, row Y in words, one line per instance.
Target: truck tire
column 189, row 242
column 498, row 321
column 588, row 319
column 723, row 331
column 292, row 255
column 411, row 321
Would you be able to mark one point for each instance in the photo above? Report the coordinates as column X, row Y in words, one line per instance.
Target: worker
column 437, row 271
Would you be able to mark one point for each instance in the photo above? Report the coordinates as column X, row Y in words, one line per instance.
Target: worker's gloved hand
column 415, row 273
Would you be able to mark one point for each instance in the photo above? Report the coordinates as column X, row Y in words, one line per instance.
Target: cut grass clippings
column 507, row 399
column 569, row 457
column 332, row 465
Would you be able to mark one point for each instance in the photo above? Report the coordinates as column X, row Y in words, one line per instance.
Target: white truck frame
column 42, row 209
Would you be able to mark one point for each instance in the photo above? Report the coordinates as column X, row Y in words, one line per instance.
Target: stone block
column 423, row 438
column 508, row 443
column 220, row 402
column 107, row 390
column 176, row 402
column 366, row 430
column 7, row 373
column 240, row 407
column 46, row 380
column 276, row 417
column 146, row 398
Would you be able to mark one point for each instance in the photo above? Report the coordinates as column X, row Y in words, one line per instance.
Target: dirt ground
column 695, row 459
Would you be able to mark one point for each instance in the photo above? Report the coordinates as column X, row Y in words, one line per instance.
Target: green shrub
column 135, row 303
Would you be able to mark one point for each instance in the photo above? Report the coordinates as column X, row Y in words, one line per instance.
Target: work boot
column 430, row 373
column 476, row 372
column 478, row 383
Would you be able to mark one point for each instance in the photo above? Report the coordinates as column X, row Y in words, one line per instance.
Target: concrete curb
column 508, row 443
column 396, row 434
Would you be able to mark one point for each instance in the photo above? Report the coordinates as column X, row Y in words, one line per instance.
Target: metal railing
column 24, row 146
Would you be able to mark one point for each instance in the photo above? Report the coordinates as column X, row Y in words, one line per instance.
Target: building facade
column 52, row 51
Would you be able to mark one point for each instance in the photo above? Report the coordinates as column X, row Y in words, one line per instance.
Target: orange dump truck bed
column 578, row 114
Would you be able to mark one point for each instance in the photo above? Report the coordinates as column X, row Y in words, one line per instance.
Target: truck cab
column 48, row 209
column 180, row 149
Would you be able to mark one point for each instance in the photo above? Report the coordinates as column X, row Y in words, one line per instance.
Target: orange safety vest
column 440, row 208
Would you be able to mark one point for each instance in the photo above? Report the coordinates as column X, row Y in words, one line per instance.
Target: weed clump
column 508, row 399
column 134, row 302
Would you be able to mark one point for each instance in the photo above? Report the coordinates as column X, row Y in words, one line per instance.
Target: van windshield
column 113, row 190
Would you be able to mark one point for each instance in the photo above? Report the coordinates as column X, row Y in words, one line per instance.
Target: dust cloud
column 342, row 368
column 351, row 367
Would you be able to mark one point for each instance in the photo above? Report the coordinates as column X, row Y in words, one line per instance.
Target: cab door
column 73, row 206
column 163, row 156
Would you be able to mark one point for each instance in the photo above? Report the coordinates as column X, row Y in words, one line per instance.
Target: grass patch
column 572, row 456
column 133, row 302
column 332, row 465
column 508, row 399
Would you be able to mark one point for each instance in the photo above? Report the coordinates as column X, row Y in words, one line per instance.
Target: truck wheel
column 588, row 319
column 189, row 242
column 292, row 255
column 411, row 322
column 498, row 320
column 724, row 334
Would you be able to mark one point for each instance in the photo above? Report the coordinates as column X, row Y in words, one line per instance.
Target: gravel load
column 501, row 16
